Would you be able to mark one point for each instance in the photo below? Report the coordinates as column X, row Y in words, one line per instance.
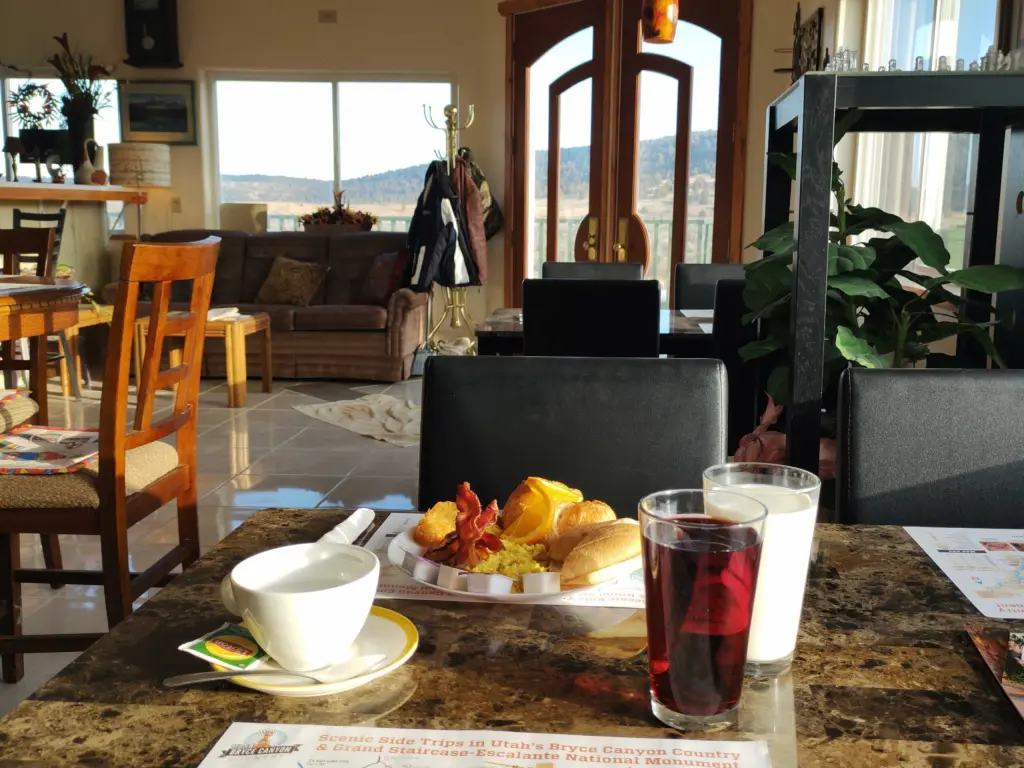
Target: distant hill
column 657, row 166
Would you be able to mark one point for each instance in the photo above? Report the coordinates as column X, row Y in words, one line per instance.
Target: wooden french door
column 655, row 191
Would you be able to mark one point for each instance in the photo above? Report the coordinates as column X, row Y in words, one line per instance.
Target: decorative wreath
column 21, row 104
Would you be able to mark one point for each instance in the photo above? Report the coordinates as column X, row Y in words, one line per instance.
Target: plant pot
column 338, row 229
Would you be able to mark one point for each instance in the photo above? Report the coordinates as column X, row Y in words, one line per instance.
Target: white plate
column 404, row 542
column 385, row 632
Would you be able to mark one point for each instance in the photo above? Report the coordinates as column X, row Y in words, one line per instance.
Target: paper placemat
column 272, row 746
column 32, row 450
column 393, row 583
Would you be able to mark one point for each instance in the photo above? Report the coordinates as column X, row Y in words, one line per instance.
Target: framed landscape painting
column 160, row 111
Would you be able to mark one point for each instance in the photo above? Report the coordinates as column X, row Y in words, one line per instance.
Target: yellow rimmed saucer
column 385, row 632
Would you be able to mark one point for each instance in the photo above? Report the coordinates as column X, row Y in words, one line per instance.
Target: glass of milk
column 791, row 496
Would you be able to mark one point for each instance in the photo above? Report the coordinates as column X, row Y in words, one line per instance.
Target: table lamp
column 13, row 147
column 142, row 166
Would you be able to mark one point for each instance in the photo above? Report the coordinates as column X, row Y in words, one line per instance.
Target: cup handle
column 227, row 596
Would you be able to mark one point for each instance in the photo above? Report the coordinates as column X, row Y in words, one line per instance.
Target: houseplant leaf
column 860, row 219
column 862, row 256
column 766, row 284
column 778, row 240
column 989, row 278
column 767, row 309
column 757, row 349
column 857, row 285
column 857, row 350
column 786, row 161
column 924, row 241
column 778, row 384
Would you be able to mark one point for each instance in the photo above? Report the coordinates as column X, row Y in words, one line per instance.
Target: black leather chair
column 728, row 334
column 593, row 270
column 591, row 318
column 695, row 283
column 615, row 429
column 931, row 447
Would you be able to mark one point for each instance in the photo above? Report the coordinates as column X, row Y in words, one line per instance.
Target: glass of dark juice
column 701, row 552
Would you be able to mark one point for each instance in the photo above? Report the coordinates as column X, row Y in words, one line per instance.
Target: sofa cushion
column 383, row 279
column 291, row 282
column 350, row 258
column 261, row 250
column 350, row 317
column 16, row 407
column 227, row 281
column 282, row 316
column 77, row 490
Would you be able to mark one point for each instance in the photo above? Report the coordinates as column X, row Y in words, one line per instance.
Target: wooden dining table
column 884, row 672
column 33, row 308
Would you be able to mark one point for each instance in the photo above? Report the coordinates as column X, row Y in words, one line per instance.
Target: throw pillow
column 15, row 409
column 380, row 281
column 291, row 282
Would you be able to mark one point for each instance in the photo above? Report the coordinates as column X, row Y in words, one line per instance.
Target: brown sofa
column 333, row 337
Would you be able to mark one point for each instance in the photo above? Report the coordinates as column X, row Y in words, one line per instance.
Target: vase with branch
column 84, row 96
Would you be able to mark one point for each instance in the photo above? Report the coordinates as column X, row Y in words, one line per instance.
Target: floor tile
column 224, row 459
column 401, row 462
column 378, row 493
column 286, row 400
column 328, row 437
column 266, row 491
column 39, row 668
column 308, row 461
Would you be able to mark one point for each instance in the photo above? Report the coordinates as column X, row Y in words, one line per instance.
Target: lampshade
column 659, row 19
column 140, row 165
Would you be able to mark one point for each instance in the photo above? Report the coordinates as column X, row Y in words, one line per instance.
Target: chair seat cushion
column 350, row 317
column 16, row 407
column 77, row 490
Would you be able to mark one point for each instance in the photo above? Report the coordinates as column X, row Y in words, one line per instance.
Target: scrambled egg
column 513, row 561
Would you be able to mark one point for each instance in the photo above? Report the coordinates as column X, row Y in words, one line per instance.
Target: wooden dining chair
column 136, row 474
column 617, row 429
column 939, row 448
column 17, row 248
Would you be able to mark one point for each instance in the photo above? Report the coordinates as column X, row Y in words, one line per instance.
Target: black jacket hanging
column 437, row 241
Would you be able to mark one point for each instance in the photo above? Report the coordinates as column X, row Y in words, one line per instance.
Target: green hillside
column 657, row 165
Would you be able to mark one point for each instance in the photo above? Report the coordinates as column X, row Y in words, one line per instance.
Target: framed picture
column 807, row 43
column 160, row 111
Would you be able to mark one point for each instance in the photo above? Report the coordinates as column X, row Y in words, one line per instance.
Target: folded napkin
column 222, row 313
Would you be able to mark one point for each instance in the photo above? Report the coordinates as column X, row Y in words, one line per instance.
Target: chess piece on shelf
column 974, row 66
column 919, row 64
column 892, row 65
column 959, row 65
column 943, row 64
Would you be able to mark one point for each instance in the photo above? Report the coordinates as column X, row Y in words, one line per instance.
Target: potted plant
column 84, row 96
column 879, row 313
column 340, row 218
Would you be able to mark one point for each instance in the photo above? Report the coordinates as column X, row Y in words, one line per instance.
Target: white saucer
column 385, row 632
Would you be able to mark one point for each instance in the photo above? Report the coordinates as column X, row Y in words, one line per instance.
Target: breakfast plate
column 385, row 632
column 404, row 543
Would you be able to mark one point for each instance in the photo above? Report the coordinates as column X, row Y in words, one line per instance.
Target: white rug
column 381, row 417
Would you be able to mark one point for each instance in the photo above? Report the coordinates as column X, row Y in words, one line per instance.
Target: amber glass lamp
column 659, row 19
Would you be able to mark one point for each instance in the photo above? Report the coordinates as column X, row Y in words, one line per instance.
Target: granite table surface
column 508, row 322
column 884, row 674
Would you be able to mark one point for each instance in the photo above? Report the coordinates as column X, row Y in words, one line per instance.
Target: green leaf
column 836, row 263
column 784, row 160
column 939, row 331
column 926, row 244
column 857, row 285
column 857, row 350
column 766, row 284
column 756, row 349
column 780, row 240
column 845, row 123
column 776, row 258
column 982, row 335
column 778, row 385
column 862, row 256
column 860, row 219
column 989, row 278
column 767, row 309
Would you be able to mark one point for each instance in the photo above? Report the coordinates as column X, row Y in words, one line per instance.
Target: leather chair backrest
column 615, row 429
column 695, row 283
column 593, row 270
column 728, row 334
column 931, row 448
column 591, row 318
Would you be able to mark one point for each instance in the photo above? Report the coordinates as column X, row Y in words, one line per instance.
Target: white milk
column 782, row 575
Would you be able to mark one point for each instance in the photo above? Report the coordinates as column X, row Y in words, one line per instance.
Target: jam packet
column 230, row 645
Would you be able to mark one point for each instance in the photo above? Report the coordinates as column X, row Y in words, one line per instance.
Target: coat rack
column 454, row 298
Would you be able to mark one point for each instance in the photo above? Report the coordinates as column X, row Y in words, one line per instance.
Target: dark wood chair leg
column 117, row 580
column 11, row 664
column 188, row 505
column 51, row 554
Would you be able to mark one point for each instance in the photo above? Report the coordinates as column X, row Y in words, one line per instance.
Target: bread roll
column 521, row 495
column 570, row 521
column 601, row 547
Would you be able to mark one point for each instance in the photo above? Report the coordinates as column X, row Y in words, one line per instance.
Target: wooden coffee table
column 233, row 331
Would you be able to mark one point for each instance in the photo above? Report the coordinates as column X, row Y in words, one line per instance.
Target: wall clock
column 151, row 32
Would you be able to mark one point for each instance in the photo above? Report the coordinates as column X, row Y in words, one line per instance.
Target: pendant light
column 659, row 18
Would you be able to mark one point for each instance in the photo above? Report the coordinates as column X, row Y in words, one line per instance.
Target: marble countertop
column 884, row 673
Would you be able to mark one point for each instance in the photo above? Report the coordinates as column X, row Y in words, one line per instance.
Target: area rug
column 381, row 417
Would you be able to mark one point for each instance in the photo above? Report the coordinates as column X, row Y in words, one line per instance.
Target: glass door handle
column 621, row 248
column 591, row 241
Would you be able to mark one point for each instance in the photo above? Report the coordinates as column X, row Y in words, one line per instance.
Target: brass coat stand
column 455, row 308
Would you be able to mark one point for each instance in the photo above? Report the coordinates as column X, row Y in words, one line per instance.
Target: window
column 106, row 130
column 925, row 177
column 291, row 145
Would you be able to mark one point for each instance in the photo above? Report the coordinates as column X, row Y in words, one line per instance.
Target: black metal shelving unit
column 805, row 116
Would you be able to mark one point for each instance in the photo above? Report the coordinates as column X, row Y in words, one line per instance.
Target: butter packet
column 230, row 645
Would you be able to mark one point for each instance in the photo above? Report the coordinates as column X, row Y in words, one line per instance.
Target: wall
column 773, row 28
column 460, row 39
column 464, row 39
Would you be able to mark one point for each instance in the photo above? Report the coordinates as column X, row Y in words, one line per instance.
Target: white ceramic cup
column 304, row 605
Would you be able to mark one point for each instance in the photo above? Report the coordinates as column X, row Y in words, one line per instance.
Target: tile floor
column 266, row 455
